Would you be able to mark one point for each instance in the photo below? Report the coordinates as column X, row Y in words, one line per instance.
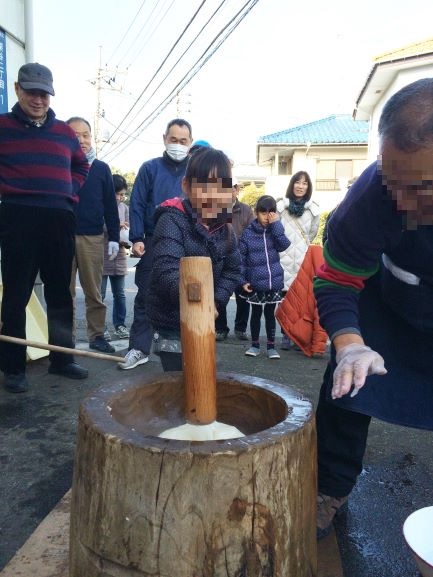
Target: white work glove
column 113, row 249
column 354, row 363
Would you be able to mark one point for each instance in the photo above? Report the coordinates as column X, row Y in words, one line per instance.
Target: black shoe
column 101, row 345
column 16, row 383
column 70, row 371
column 221, row 335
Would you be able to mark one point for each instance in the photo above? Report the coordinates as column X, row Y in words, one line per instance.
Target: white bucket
column 417, row 531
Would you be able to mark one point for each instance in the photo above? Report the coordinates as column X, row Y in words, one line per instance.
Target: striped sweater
column 364, row 226
column 39, row 166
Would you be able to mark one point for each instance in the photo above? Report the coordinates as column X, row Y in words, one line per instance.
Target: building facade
column 16, row 46
column 332, row 150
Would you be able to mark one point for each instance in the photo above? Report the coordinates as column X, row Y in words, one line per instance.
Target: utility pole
column 183, row 104
column 105, row 80
column 98, row 103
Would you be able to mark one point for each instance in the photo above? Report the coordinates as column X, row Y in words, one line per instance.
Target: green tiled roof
column 335, row 129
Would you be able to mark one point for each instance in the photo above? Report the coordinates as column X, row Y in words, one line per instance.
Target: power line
column 177, row 62
column 186, row 79
column 128, row 29
column 159, row 68
column 149, row 34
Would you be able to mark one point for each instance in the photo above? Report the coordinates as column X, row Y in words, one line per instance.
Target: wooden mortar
column 143, row 506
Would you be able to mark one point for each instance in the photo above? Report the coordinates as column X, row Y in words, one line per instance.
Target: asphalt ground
column 37, row 440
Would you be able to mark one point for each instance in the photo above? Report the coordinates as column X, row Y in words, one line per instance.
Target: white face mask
column 177, row 152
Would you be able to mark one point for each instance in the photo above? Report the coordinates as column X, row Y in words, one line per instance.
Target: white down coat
column 301, row 231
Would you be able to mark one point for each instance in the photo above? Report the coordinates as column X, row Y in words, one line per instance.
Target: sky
column 286, row 63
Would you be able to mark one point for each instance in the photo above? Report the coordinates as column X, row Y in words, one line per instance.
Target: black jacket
column 178, row 234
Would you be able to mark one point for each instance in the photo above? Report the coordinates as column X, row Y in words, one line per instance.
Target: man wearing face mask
column 157, row 180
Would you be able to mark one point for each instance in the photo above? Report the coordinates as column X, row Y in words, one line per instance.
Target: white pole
column 28, row 30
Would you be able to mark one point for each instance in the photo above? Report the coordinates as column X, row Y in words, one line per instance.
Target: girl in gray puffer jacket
column 262, row 274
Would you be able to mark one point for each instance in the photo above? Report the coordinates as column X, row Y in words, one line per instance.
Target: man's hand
column 138, row 249
column 113, row 249
column 354, row 363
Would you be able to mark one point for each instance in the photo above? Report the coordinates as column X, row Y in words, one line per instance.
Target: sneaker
column 286, row 343
column 121, row 332
column 16, row 383
column 100, row 344
column 252, row 352
column 327, row 508
column 221, row 335
column 70, row 371
column 133, row 358
column 107, row 335
column 273, row 354
column 242, row 335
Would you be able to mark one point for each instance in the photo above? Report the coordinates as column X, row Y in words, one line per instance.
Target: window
column 330, row 173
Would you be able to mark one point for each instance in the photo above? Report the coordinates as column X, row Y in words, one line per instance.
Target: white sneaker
column 133, row 358
column 121, row 332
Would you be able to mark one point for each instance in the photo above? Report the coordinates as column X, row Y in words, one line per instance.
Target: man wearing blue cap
column 42, row 167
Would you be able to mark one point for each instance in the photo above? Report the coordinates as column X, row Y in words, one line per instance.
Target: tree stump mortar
column 143, row 506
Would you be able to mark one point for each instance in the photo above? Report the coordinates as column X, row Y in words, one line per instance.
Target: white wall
column 402, row 78
column 327, row 200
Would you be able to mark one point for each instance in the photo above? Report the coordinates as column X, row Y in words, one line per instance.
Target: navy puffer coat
column 178, row 234
column 259, row 247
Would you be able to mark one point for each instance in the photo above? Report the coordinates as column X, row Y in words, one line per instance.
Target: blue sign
column 3, row 74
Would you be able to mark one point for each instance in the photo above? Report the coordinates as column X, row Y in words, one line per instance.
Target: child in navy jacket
column 196, row 225
column 262, row 274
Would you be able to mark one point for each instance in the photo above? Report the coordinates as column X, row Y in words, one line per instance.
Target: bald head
column 407, row 117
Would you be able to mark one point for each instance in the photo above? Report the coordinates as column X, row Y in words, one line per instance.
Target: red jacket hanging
column 297, row 314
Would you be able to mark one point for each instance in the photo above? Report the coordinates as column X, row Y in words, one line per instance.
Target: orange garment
column 297, row 313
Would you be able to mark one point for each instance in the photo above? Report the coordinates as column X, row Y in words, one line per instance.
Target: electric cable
column 159, row 68
column 176, row 63
column 149, row 33
column 185, row 80
column 128, row 29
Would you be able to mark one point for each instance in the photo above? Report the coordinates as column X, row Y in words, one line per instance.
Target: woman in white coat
column 300, row 217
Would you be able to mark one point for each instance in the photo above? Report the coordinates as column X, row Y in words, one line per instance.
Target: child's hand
column 273, row 217
column 247, row 287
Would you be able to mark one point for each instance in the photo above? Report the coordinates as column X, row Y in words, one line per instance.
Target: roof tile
column 335, row 129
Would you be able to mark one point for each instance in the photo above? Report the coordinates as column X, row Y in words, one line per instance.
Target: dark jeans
column 117, row 283
column 241, row 319
column 141, row 333
column 341, row 441
column 32, row 240
column 256, row 313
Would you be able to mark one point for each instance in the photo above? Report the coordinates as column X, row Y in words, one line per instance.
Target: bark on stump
column 149, row 507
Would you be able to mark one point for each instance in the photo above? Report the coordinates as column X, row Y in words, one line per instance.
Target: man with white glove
column 97, row 207
column 113, row 249
column 375, row 299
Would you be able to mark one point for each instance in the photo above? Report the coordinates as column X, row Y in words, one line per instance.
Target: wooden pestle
column 197, row 328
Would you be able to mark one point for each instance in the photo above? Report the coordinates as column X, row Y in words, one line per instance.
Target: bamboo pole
column 58, row 349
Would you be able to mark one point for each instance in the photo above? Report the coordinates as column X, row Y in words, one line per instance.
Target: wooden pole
column 58, row 349
column 197, row 324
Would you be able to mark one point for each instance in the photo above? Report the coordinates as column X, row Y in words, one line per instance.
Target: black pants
column 171, row 361
column 270, row 323
column 32, row 240
column 141, row 333
column 341, row 441
column 241, row 319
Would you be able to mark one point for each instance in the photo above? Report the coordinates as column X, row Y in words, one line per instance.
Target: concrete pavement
column 37, row 436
